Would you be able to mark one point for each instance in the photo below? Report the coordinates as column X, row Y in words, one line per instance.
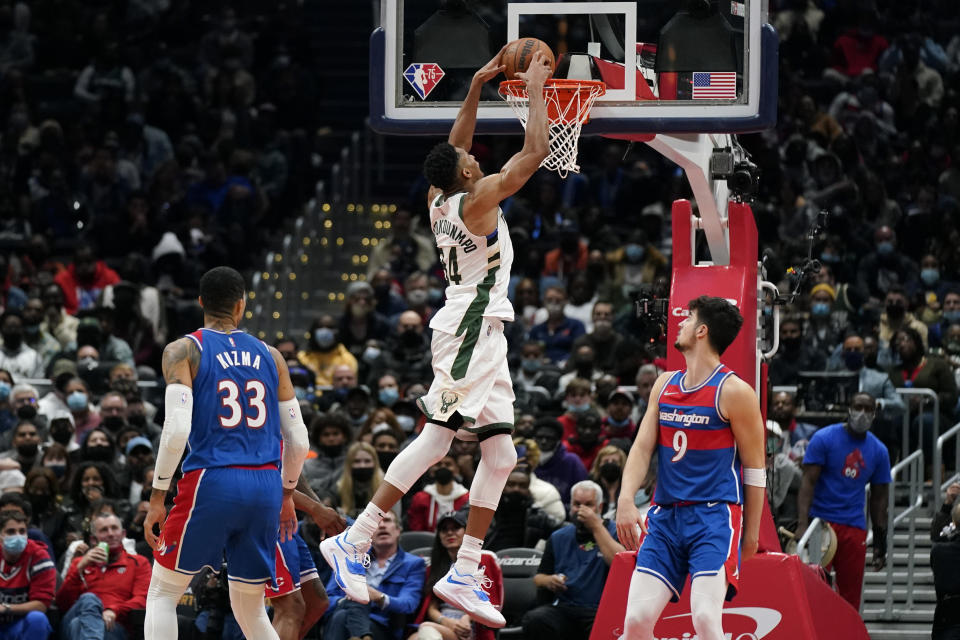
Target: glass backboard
column 670, row 66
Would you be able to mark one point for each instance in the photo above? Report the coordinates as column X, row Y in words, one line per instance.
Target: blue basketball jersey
column 236, row 418
column 697, row 452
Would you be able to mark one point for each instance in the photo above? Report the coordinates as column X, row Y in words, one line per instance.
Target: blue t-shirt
column 848, row 464
column 557, row 345
column 582, row 564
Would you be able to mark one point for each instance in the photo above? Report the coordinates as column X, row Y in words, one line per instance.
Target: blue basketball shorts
column 294, row 566
column 225, row 510
column 700, row 539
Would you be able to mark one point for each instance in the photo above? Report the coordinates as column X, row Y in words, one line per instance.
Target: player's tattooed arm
column 180, row 362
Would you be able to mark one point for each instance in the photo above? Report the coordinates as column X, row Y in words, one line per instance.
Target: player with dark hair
column 229, row 397
column 472, row 393
column 706, row 428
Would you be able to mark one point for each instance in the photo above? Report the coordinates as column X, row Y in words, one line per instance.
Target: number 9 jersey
column 236, row 419
column 477, row 267
column 697, row 453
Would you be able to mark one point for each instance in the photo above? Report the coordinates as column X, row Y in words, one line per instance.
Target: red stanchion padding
column 780, row 598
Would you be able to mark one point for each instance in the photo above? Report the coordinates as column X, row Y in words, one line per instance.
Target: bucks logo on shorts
column 448, row 401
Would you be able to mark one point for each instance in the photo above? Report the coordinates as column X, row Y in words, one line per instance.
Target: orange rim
column 518, row 89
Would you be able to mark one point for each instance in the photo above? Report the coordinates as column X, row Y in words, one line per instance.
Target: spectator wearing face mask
column 381, row 419
column 417, row 293
column 8, row 416
column 387, row 444
column 85, row 418
column 344, row 379
column 793, row 356
column 84, row 279
column 517, row 522
column 638, row 263
column 568, row 258
column 98, row 446
column 360, row 322
column 408, row 350
column 582, row 365
column 885, row 267
column 113, row 412
column 897, row 316
column 329, row 435
column 558, row 466
column 27, row 584
column 324, row 351
column 15, row 355
column 617, row 424
column 577, row 398
column 839, row 463
column 388, row 390
column 588, row 441
column 61, row 433
column 559, row 332
column 530, row 373
column 138, row 457
column 825, row 330
column 606, row 470
column 56, row 459
column 34, row 336
column 360, row 479
column 388, row 301
column 25, row 446
column 613, row 352
column 42, row 491
column 440, row 496
column 409, row 417
column 545, row 495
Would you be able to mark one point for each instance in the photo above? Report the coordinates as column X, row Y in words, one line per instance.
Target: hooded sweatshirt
column 427, row 505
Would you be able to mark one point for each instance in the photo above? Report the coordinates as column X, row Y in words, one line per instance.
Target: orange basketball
column 519, row 53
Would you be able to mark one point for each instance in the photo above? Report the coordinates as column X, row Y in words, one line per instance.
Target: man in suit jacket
column 394, row 580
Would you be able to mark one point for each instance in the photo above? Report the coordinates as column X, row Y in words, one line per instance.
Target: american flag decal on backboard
column 714, row 85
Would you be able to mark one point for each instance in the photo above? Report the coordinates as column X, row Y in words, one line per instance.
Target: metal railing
column 907, row 415
column 912, row 467
column 939, row 484
column 813, row 538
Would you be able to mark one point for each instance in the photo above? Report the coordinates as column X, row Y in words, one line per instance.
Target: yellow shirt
column 322, row 363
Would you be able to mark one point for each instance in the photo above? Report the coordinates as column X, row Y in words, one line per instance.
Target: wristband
column 755, row 477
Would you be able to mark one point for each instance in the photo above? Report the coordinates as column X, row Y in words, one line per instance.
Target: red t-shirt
column 32, row 577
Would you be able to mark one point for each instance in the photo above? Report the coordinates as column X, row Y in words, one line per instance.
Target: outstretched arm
column 739, row 403
column 490, row 190
column 461, row 134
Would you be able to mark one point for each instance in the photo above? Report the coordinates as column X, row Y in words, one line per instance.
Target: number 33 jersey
column 236, row 418
column 697, row 453
column 477, row 267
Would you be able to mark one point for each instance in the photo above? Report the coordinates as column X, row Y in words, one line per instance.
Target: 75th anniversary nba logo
column 423, row 77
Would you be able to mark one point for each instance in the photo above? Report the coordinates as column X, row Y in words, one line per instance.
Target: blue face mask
column 370, row 354
column 435, row 296
column 577, row 408
column 324, row 337
column 4, row 390
column 15, row 544
column 634, row 253
column 829, row 258
column 530, row 365
column 952, row 316
column 820, row 309
column 300, row 393
column 619, row 424
column 388, row 396
column 77, row 401
column 930, row 276
column 885, row 248
column 407, row 423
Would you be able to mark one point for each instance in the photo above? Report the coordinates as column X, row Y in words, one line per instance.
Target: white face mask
column 860, row 421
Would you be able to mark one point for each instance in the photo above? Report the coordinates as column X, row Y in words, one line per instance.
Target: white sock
column 246, row 601
column 468, row 557
column 365, row 525
column 163, row 595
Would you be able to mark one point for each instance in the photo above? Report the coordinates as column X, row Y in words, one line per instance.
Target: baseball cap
column 359, row 287
column 138, row 441
column 622, row 392
column 11, row 479
column 455, row 516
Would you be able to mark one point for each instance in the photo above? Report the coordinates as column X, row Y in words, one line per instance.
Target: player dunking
column 229, row 397
column 472, row 394
column 707, row 430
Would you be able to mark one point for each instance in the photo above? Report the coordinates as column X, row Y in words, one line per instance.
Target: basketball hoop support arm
column 691, row 151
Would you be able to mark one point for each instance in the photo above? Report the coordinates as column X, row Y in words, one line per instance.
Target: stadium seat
column 519, row 565
column 410, row 540
column 423, row 552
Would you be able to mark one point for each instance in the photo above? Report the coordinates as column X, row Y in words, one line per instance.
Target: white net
column 568, row 108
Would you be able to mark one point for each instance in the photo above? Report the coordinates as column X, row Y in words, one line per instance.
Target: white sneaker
column 468, row 592
column 349, row 563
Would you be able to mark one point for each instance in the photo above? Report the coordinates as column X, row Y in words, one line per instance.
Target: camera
column 742, row 175
column 651, row 310
column 213, row 596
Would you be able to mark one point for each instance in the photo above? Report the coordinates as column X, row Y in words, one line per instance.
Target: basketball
column 519, row 53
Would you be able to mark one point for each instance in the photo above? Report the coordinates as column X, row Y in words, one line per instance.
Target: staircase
column 911, row 616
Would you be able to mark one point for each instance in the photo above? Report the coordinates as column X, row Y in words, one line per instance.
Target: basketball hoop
column 568, row 109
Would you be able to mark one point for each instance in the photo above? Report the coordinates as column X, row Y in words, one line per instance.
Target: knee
column 533, row 621
column 639, row 624
column 290, row 606
column 706, row 620
column 89, row 601
column 499, row 453
column 36, row 620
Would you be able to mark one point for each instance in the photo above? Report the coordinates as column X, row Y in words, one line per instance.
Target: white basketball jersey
column 477, row 267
